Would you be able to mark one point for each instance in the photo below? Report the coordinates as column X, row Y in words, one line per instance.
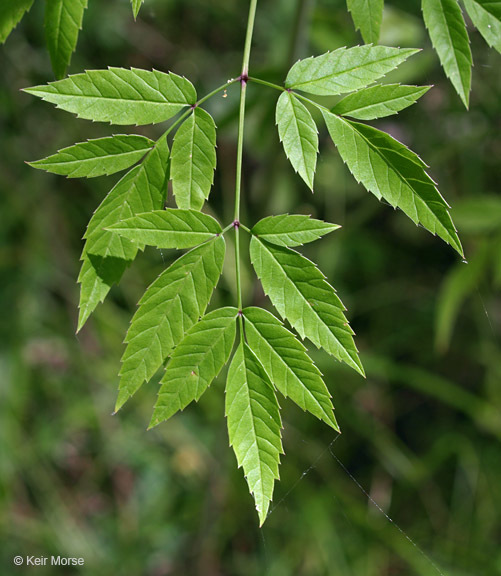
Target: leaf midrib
column 288, row 368
column 176, row 295
column 399, row 174
column 381, row 102
column 305, row 300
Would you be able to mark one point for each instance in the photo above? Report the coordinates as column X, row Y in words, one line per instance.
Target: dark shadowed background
column 421, row 434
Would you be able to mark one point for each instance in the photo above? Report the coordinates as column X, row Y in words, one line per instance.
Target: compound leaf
column 300, row 293
column 196, row 362
column 63, row 22
column 167, row 310
column 486, row 16
column 99, row 157
column 299, row 135
column 379, row 101
column 136, row 6
column 345, row 69
column 254, row 426
column 107, row 255
column 11, row 13
column 194, row 160
column 119, row 95
column 367, row 16
column 287, row 364
column 391, row 171
column 449, row 37
column 169, row 228
column 291, row 229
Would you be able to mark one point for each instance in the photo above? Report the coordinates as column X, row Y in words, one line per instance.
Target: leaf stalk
column 240, row 145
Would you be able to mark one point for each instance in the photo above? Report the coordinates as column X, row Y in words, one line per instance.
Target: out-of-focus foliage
column 422, row 434
column 447, row 30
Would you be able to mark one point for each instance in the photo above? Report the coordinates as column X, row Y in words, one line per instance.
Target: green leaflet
column 486, row 16
column 167, row 310
column 449, row 37
column 287, row 364
column 11, row 13
column 391, row 171
column 196, row 362
column 291, row 229
column 120, row 96
column 299, row 135
column 194, row 160
column 107, row 255
column 136, row 6
column 99, row 157
column 300, row 293
column 63, row 22
column 254, row 426
column 367, row 16
column 345, row 69
column 379, row 101
column 169, row 228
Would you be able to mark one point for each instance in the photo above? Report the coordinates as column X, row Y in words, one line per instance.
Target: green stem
column 226, row 229
column 240, row 146
column 217, row 90
column 312, row 102
column 248, row 38
column 282, row 89
column 198, row 103
column 265, row 83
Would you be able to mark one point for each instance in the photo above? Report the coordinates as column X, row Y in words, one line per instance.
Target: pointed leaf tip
column 168, row 309
column 299, row 135
column 449, row 36
column 11, row 13
column 312, row 307
column 346, row 69
column 196, row 362
column 391, row 171
column 254, row 425
column 287, row 364
column 63, row 22
column 136, row 6
column 367, row 16
column 119, row 95
column 194, row 160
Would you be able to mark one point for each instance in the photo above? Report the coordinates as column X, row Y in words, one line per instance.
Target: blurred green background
column 421, row 434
